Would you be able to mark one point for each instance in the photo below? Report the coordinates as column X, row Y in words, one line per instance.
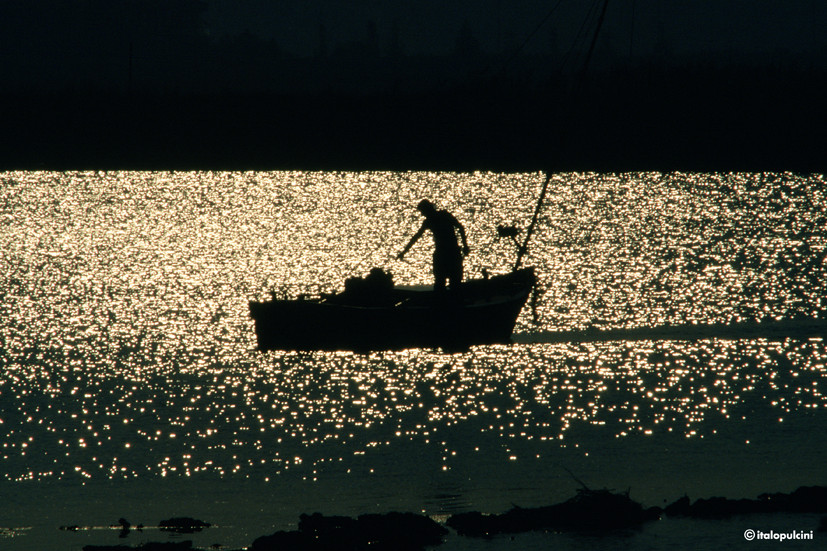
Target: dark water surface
column 130, row 385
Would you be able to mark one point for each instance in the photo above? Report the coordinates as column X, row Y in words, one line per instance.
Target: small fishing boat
column 373, row 314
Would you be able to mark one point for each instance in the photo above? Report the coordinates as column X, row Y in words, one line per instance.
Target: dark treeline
column 94, row 84
column 691, row 119
column 95, row 44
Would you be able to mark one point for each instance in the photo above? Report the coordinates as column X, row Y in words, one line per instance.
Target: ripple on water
column 127, row 351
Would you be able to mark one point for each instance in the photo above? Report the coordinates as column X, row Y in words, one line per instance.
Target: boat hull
column 483, row 311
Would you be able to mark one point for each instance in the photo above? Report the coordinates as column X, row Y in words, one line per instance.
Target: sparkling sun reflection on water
column 127, row 352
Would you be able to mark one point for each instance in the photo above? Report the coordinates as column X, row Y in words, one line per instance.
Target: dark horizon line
column 696, row 121
column 349, row 75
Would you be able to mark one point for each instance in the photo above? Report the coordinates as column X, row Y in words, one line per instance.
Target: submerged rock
column 125, row 526
column 388, row 532
column 183, row 525
column 588, row 511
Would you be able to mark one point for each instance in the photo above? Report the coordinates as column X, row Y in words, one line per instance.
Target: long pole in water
column 524, row 248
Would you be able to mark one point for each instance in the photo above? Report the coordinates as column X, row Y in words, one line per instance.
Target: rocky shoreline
column 592, row 512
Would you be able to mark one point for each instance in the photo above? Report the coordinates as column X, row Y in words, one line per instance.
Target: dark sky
column 430, row 26
column 194, row 44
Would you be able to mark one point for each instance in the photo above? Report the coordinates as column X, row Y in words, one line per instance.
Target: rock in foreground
column 588, row 511
column 154, row 546
column 388, row 532
column 806, row 499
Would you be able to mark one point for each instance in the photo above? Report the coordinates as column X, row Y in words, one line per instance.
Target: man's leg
column 440, row 273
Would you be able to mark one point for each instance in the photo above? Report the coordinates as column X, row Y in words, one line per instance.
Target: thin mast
column 530, row 230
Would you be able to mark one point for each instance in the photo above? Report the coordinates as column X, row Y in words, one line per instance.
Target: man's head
column 426, row 207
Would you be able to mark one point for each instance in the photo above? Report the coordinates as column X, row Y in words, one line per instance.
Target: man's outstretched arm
column 413, row 240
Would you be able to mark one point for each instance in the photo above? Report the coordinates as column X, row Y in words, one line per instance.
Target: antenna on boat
column 524, row 248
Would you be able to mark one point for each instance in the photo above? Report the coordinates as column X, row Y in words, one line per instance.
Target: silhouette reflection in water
column 447, row 252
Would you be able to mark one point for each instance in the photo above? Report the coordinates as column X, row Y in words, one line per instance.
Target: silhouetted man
column 447, row 253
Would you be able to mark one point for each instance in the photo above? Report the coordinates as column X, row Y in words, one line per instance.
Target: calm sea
column 130, row 385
